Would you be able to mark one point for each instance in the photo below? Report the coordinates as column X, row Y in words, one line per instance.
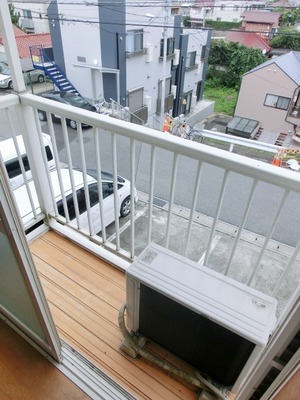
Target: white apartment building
column 117, row 52
column 33, row 15
column 222, row 10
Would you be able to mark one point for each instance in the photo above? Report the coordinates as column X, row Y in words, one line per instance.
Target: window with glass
column 167, row 87
column 277, row 101
column 199, row 90
column 186, row 103
column 27, row 14
column 170, row 47
column 167, row 97
column 191, row 59
column 134, row 40
column 136, row 99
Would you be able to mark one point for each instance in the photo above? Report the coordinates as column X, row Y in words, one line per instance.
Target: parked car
column 11, row 160
column 66, row 98
column 5, row 77
column 124, row 200
column 33, row 76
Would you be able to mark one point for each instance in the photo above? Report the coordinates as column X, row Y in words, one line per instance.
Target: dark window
column 27, row 14
column 170, row 47
column 186, row 103
column 107, row 189
column 13, row 166
column 199, row 90
column 70, row 207
column 93, row 194
column 277, row 101
column 190, row 59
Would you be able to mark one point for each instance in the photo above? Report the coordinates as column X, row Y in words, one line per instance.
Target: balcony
column 264, row 256
column 235, row 215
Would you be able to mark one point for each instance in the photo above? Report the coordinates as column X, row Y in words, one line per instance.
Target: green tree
column 13, row 16
column 287, row 38
column 230, row 60
column 290, row 17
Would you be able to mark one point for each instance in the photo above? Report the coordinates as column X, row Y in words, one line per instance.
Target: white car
column 30, row 76
column 124, row 200
column 9, row 155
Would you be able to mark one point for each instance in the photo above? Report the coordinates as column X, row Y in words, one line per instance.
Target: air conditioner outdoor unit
column 214, row 323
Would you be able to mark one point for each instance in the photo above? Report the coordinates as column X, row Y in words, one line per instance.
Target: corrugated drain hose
column 198, row 382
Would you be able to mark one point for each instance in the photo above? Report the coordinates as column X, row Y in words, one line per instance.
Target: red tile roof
column 248, row 39
column 261, row 17
column 24, row 41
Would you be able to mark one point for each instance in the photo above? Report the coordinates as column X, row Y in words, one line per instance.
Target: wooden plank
column 136, row 376
column 85, row 295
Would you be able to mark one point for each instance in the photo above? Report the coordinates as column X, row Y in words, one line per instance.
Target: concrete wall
column 254, row 88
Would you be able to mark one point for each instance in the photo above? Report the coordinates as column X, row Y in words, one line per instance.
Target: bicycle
column 178, row 127
column 102, row 106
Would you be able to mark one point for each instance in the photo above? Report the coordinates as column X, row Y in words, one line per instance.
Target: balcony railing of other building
column 225, row 194
column 137, row 117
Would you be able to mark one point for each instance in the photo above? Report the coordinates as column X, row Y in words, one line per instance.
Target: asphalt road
column 265, row 202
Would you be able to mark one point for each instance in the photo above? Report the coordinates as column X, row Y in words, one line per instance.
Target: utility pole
column 164, row 69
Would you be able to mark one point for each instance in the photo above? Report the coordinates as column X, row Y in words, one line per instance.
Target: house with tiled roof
column 263, row 22
column 270, row 94
column 249, row 39
column 33, row 15
column 24, row 42
column 222, row 10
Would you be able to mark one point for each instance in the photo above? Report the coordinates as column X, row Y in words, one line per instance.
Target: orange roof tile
column 248, row 39
column 24, row 41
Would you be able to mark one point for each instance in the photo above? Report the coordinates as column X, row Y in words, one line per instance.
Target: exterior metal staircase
column 42, row 61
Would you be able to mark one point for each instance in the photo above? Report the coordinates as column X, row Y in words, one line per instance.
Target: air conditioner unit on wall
column 147, row 102
column 214, row 323
column 174, row 90
column 176, row 57
column 149, row 52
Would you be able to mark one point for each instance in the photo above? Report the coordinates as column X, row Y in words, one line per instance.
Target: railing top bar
column 224, row 137
column 286, row 179
column 9, row 100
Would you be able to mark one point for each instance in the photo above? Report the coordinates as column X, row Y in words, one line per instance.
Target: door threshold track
column 89, row 378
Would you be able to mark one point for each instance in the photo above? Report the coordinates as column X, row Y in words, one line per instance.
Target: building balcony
column 235, row 215
column 62, row 282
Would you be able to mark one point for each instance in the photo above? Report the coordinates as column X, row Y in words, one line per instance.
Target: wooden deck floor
column 85, row 295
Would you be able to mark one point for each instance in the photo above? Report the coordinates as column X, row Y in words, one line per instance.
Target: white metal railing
column 159, row 165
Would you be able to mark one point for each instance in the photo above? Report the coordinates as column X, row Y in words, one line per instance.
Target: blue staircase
column 48, row 66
